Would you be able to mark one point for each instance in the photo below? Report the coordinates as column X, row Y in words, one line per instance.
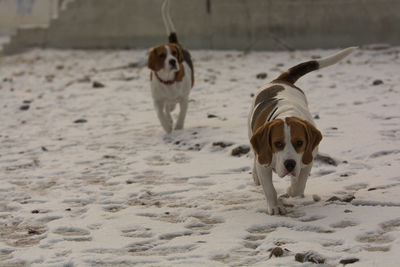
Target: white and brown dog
column 282, row 132
column 171, row 76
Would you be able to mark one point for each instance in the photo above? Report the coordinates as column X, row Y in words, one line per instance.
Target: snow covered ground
column 88, row 177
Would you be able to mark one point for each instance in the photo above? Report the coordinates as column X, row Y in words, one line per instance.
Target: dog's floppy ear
column 261, row 143
column 179, row 52
column 151, row 61
column 314, row 136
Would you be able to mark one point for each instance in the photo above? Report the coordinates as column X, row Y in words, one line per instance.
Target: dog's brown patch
column 300, row 129
column 268, row 94
column 264, row 140
column 294, row 73
column 156, row 58
column 265, row 103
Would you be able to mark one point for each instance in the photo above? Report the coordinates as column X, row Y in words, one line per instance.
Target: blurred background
column 201, row 24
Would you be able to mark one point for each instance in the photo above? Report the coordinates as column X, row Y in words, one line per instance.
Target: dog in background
column 171, row 76
column 282, row 131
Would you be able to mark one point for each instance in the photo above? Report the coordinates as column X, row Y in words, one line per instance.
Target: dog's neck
column 166, row 77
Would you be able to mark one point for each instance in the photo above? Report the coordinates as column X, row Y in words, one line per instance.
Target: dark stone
column 348, row 261
column 334, row 198
column 240, row 150
column 44, row 149
column 276, row 251
column 222, row 144
column 211, row 116
column 80, row 121
column 98, row 85
column 348, row 199
column 309, row 256
column 316, row 117
column 35, row 211
column 24, row 107
column 377, row 82
column 262, row 75
column 372, row 189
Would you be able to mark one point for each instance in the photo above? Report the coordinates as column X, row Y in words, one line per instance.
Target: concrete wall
column 226, row 24
column 16, row 13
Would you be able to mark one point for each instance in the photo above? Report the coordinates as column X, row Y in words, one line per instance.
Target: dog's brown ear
column 261, row 143
column 314, row 136
column 179, row 52
column 151, row 61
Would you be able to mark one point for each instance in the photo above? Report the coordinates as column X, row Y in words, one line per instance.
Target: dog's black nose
column 172, row 62
column 289, row 165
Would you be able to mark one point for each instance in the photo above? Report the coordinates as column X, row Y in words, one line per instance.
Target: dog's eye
column 162, row 55
column 174, row 53
column 278, row 144
column 299, row 143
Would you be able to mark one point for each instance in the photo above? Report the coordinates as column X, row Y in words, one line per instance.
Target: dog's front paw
column 179, row 126
column 290, row 192
column 277, row 210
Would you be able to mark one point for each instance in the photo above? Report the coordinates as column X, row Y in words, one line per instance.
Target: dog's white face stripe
column 167, row 66
column 288, row 153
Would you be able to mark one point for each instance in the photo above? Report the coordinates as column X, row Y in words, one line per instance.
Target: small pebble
column 98, row 85
column 348, row 261
column 276, row 251
column 24, row 107
column 262, row 75
column 80, row 121
column 377, row 82
column 316, row 198
column 240, row 150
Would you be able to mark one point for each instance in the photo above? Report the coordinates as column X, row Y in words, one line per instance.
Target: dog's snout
column 172, row 62
column 290, row 165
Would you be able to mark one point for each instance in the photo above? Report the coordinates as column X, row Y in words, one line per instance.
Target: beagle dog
column 171, row 76
column 282, row 132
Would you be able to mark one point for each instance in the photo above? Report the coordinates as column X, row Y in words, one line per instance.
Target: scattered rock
column 310, row 256
column 240, row 150
column 372, row 189
column 348, row 261
column 211, row 116
column 35, row 211
column 347, row 211
column 262, row 75
column 222, row 144
column 80, row 121
column 377, row 82
column 348, row 198
column 24, row 107
column 334, row 198
column 27, row 101
column 97, row 84
column 110, row 157
column 316, row 117
column 33, row 232
column 326, row 159
column 44, row 149
column 316, row 198
column 251, row 95
column 276, row 251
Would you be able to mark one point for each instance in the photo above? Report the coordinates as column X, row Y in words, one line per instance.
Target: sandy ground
column 88, row 177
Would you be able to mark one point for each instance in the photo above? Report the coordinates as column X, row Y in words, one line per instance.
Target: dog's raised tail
column 169, row 26
column 294, row 73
